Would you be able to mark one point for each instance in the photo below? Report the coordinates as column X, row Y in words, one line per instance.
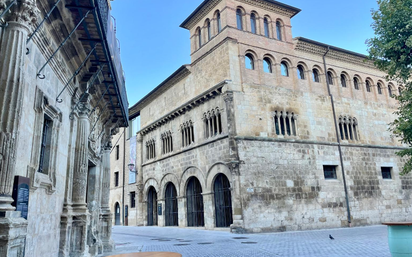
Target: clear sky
column 153, row 45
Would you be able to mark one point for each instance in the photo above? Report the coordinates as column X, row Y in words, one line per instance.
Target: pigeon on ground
column 331, row 237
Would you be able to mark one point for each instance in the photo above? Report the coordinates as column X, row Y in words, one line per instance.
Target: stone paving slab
column 359, row 241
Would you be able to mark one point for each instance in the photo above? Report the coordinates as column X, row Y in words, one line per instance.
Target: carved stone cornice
column 210, row 94
column 24, row 12
column 272, row 7
column 198, row 15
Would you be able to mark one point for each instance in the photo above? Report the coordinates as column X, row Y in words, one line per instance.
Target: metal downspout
column 124, row 171
column 337, row 137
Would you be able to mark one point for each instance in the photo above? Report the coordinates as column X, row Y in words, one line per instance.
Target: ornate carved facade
column 62, row 96
column 290, row 154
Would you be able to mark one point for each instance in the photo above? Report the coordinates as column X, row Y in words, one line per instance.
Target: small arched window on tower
column 368, row 86
column 348, row 128
column 266, row 26
column 301, row 72
column 219, row 22
column 284, row 70
column 356, row 83
column 390, row 90
column 279, row 30
column 249, row 63
column 239, row 19
column 330, row 78
column 379, row 87
column 315, row 75
column 199, row 37
column 400, row 91
column 285, row 123
column 253, row 23
column 209, row 31
column 267, row 65
column 343, row 80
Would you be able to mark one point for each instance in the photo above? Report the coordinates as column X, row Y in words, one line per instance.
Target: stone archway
column 151, row 207
column 223, row 201
column 194, row 198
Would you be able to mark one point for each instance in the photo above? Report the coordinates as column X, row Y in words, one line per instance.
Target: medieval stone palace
column 266, row 132
column 62, row 98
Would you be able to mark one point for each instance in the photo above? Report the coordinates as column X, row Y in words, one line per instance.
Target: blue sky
column 153, row 45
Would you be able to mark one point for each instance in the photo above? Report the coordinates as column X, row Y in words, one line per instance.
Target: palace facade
column 266, row 132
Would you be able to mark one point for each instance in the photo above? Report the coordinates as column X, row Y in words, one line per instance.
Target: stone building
column 266, row 132
column 62, row 97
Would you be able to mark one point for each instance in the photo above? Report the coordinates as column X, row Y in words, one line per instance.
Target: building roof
column 292, row 9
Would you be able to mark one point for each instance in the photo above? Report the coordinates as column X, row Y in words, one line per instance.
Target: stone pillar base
column 65, row 232
column 237, row 227
column 106, row 232
column 13, row 231
column 78, row 239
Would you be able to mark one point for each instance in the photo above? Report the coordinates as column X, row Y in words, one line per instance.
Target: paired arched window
column 266, row 26
column 330, row 78
column 390, row 90
column 249, row 64
column 343, row 80
column 218, row 22
column 379, row 87
column 239, row 19
column 301, row 72
column 279, row 30
column 267, row 65
column 253, row 23
column 368, row 86
column 284, row 70
column 315, row 75
column 356, row 83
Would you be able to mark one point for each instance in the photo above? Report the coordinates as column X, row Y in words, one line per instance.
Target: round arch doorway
column 194, row 199
column 223, row 201
column 151, row 207
column 171, row 211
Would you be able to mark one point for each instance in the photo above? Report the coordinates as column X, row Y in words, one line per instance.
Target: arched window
column 348, row 128
column 330, row 78
column 400, row 90
column 356, row 83
column 315, row 75
column 284, row 69
column 249, row 64
column 209, row 31
column 368, row 86
column 301, row 72
column 285, row 123
column 253, row 23
column 239, row 19
column 279, row 30
column 266, row 26
column 343, row 80
column 390, row 90
column 199, row 35
column 219, row 22
column 267, row 65
column 379, row 86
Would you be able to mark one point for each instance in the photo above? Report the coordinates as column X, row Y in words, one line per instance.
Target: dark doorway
column 117, row 214
column 195, row 217
column 171, row 210
column 223, row 201
column 151, row 207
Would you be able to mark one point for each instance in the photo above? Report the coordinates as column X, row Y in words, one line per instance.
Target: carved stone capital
column 83, row 109
column 24, row 12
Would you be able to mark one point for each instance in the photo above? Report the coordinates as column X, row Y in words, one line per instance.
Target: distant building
column 248, row 136
column 62, row 98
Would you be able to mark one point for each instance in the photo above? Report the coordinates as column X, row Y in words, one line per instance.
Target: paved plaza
column 359, row 241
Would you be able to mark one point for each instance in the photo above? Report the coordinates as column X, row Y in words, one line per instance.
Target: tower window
column 199, row 34
column 315, row 75
column 239, row 19
column 379, row 87
column 253, row 23
column 390, row 90
column 368, row 86
column 330, row 78
column 343, row 80
column 356, row 83
column 279, row 30
column 284, row 69
column 209, row 31
column 219, row 22
column 301, row 72
column 267, row 65
column 266, row 26
column 249, row 62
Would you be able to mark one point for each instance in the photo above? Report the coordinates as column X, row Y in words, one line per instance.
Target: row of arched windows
column 254, row 24
column 301, row 74
column 209, row 29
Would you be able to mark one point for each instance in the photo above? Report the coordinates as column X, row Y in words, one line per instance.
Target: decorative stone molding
column 271, row 7
column 24, row 12
column 190, row 22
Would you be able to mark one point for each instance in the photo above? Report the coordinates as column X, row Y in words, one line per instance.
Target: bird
column 331, row 237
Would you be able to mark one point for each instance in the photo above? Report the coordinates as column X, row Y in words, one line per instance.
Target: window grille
column 348, row 128
column 212, row 123
column 167, row 142
column 285, row 123
column 188, row 134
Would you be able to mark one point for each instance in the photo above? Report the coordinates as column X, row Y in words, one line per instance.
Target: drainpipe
column 338, row 138
column 124, row 170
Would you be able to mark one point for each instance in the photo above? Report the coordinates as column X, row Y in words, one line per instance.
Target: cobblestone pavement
column 359, row 241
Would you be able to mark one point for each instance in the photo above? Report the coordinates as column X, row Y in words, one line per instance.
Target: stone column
column 238, row 224
column 81, row 216
column 13, row 228
column 106, row 216
column 181, row 207
column 140, row 198
column 208, row 205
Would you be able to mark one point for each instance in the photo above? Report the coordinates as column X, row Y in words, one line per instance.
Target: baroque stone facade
column 61, row 99
column 268, row 132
